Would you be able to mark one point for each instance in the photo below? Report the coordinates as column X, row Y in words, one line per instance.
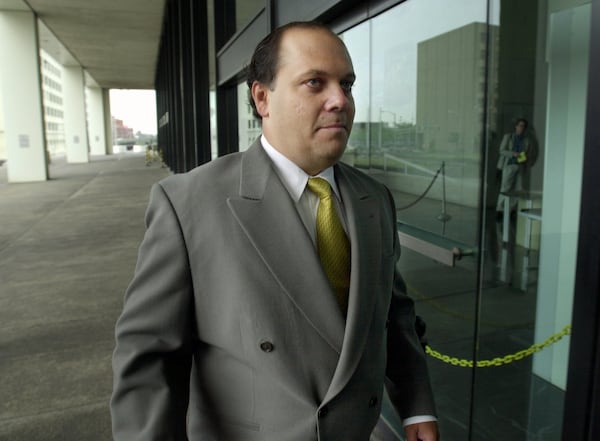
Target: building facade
column 52, row 94
column 53, row 108
column 513, row 323
column 120, row 130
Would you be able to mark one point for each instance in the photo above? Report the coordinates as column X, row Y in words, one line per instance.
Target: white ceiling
column 115, row 41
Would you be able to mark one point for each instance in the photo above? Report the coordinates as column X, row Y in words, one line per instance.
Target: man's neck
column 311, row 171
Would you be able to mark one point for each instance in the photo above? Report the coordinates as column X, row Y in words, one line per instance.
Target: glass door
column 542, row 67
column 419, row 128
column 473, row 113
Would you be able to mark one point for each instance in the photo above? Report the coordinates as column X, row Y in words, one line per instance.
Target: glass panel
column 358, row 149
column 249, row 128
column 214, row 143
column 541, row 62
column 245, row 10
column 420, row 105
column 440, row 91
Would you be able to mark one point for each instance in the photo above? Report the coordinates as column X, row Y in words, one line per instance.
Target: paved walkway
column 68, row 248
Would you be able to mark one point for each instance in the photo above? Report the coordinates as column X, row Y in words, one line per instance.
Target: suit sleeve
column 505, row 148
column 407, row 374
column 152, row 358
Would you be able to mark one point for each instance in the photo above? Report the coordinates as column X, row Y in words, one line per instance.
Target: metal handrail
column 434, row 246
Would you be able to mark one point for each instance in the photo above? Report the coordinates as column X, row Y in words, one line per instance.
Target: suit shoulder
column 200, row 178
column 362, row 178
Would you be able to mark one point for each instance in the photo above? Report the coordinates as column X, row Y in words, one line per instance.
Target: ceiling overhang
column 116, row 42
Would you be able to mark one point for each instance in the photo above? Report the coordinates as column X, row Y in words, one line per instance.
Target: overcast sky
column 137, row 109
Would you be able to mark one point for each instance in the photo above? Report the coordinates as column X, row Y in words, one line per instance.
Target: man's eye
column 347, row 85
column 313, row 82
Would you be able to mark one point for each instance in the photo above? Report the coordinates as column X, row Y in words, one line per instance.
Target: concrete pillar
column 2, row 143
column 107, row 122
column 20, row 80
column 76, row 139
column 95, row 115
column 568, row 61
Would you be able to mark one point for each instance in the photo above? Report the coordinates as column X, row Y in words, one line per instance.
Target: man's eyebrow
column 321, row 73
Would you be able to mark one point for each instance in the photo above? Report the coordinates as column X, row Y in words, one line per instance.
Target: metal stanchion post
column 443, row 216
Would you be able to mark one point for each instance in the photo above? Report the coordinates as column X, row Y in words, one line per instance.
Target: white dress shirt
column 294, row 180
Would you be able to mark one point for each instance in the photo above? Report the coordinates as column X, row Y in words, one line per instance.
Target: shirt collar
column 293, row 177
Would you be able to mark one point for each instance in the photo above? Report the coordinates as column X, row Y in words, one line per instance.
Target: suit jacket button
column 266, row 346
column 322, row 413
column 373, row 401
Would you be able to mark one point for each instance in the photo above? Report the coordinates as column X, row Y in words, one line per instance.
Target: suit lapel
column 269, row 218
column 365, row 237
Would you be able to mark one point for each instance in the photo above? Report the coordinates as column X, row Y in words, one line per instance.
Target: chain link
column 416, row 201
column 499, row 361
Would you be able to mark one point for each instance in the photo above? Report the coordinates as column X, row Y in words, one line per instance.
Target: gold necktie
column 332, row 242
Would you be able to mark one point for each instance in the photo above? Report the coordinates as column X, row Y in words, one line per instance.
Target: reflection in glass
column 214, row 145
column 249, row 128
column 420, row 104
column 420, row 99
column 438, row 86
column 542, row 65
column 245, row 10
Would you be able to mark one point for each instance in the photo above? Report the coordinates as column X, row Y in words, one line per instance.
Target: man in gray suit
column 231, row 328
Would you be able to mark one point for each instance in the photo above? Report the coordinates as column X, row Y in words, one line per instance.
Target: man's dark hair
column 523, row 120
column 265, row 60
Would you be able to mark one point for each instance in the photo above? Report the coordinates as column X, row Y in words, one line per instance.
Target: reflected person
column 512, row 160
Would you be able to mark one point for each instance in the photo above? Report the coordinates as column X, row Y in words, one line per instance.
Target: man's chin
column 337, row 142
column 336, row 152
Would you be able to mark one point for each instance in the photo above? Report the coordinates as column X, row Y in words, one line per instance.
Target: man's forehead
column 305, row 38
column 311, row 44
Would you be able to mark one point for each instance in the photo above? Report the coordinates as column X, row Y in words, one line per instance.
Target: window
column 433, row 105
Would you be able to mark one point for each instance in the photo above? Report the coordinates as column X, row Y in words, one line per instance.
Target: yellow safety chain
column 499, row 361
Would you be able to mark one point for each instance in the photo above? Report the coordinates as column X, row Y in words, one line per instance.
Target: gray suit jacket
column 505, row 152
column 230, row 319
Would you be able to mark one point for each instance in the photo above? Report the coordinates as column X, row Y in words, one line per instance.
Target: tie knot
column 320, row 187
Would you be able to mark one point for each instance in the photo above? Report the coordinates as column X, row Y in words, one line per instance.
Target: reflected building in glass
column 452, row 79
column 452, row 75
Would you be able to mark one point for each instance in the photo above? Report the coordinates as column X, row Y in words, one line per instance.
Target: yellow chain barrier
column 499, row 361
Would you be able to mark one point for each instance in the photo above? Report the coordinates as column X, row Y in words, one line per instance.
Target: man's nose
column 337, row 98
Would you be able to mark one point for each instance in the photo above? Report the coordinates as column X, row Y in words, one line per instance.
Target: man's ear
column 260, row 95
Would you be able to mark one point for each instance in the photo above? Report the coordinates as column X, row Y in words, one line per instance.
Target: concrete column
column 108, row 135
column 568, row 61
column 20, row 80
column 95, row 115
column 2, row 143
column 75, row 120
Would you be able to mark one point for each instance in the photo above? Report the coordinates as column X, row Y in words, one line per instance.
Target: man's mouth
column 334, row 126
